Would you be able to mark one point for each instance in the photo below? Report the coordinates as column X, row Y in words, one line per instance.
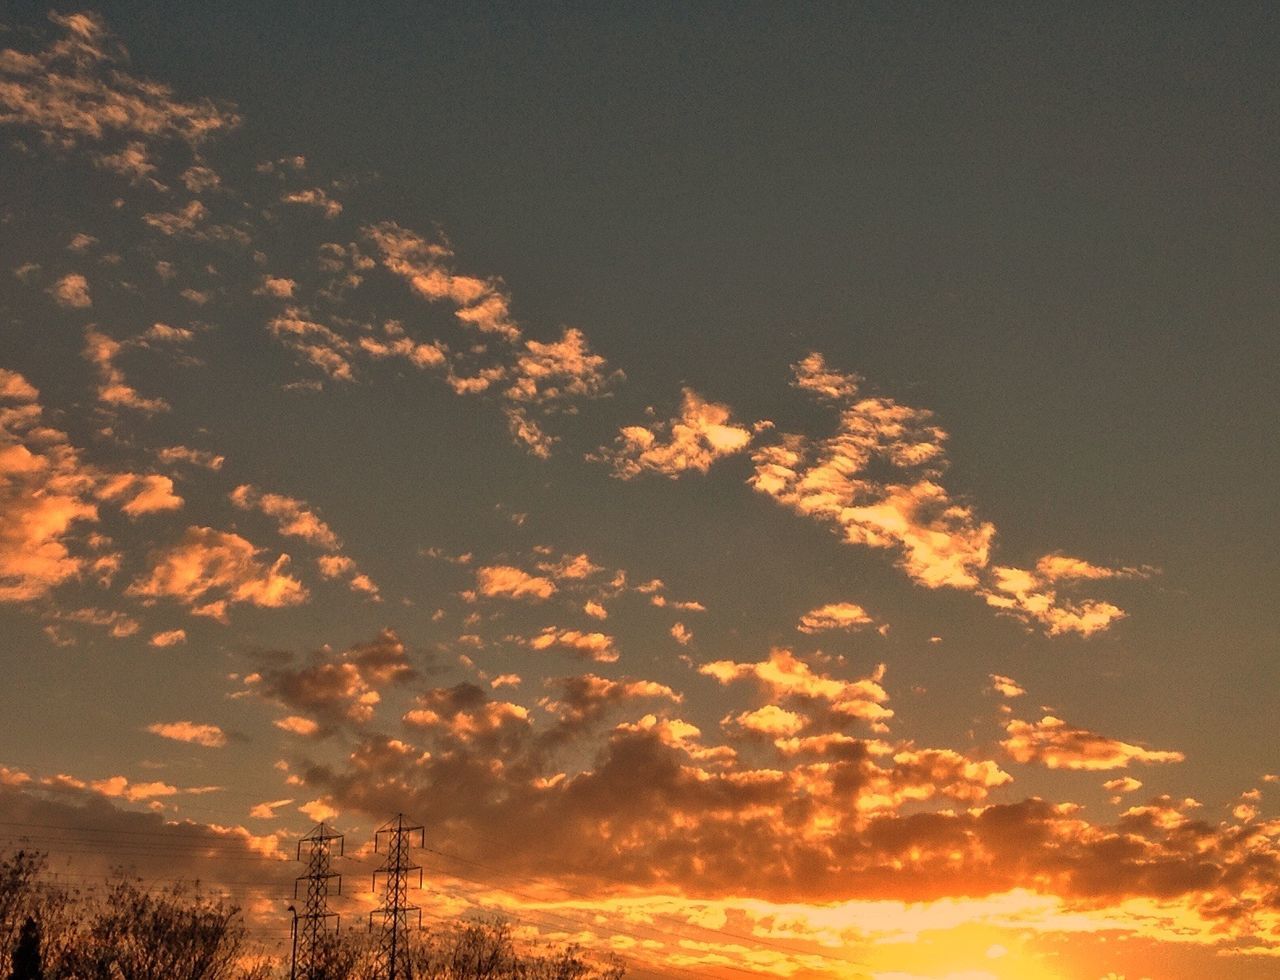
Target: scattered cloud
column 133, row 162
column 276, row 287
column 1123, row 784
column 327, row 691
column 318, row 811
column 598, row 647
column 508, row 582
column 1057, row 745
column 15, row 388
column 297, row 725
column 479, row 303
column 1006, row 687
column 847, row 616
column 210, row 736
column 1029, row 596
column 702, row 433
column 293, row 517
column 785, row 676
column 314, row 197
column 46, row 499
column 267, row 810
column 315, row 343
column 195, row 457
column 113, row 390
column 879, row 482
column 209, row 570
column 72, row 292
column 76, row 91
column 142, row 494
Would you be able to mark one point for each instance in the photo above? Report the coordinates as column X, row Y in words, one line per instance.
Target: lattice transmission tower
column 395, row 839
column 311, row 925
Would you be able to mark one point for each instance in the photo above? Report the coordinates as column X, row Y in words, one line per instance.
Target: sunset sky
column 774, row 489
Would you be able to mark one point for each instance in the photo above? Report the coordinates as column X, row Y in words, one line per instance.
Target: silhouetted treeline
column 126, row 931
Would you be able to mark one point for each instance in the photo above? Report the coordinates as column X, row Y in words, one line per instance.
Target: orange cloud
column 71, row 291
column 297, row 725
column 118, row 623
column 572, row 568
column 534, row 378
column 209, row 570
column 829, row 819
column 1006, row 686
column 770, row 720
column 46, row 495
column 267, row 810
column 1054, row 743
column 1125, row 784
column 165, row 334
column 133, row 792
column 277, row 287
column 195, row 457
column 508, row 582
column 315, row 197
column 329, row 692
column 584, row 699
column 331, row 566
column 15, row 388
column 142, row 494
column 395, row 342
column 811, row 374
column 1057, row 567
column 314, row 342
column 878, row 482
column 293, row 517
column 198, row 178
column 75, row 90
column 480, row 303
column 463, row 714
column 318, row 811
column 173, row 223
column 113, row 389
column 835, row 616
column 562, row 368
column 1030, row 596
column 783, row 675
column 210, row 736
column 132, row 162
column 598, row 647
column 702, row 433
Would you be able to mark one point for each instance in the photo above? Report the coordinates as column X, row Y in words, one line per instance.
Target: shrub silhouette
column 126, row 931
column 26, row 954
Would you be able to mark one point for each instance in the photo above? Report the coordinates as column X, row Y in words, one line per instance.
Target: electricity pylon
column 310, row 925
column 394, row 839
